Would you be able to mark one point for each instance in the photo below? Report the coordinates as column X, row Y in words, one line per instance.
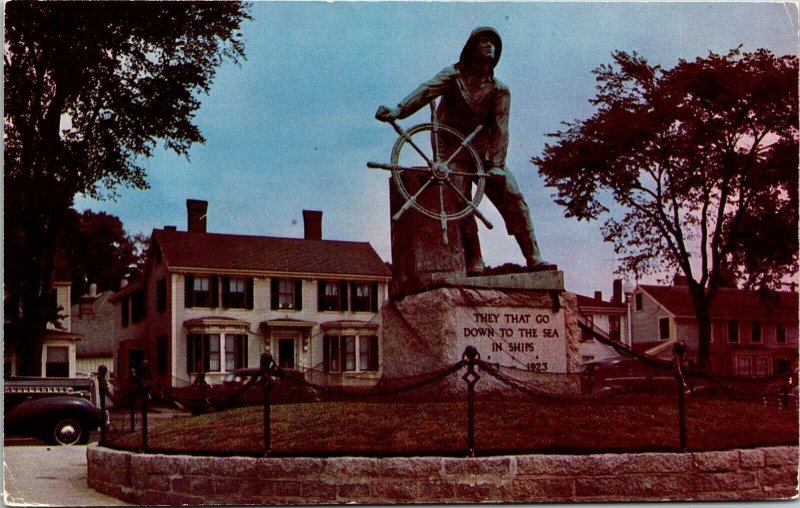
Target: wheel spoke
column 464, row 144
column 471, row 205
column 392, row 167
column 435, row 135
column 411, row 200
column 410, row 141
column 443, row 215
column 468, row 175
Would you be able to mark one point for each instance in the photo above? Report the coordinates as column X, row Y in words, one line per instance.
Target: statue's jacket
column 464, row 111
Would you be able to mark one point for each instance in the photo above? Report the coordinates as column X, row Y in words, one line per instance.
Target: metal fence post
column 679, row 350
column 267, row 367
column 145, row 384
column 102, row 386
column 470, row 377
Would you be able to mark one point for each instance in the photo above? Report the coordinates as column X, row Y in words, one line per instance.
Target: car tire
column 68, row 431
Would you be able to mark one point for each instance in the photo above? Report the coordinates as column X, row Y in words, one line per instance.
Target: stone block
column 779, row 477
column 492, row 466
column 410, row 467
column 181, row 484
column 353, row 492
column 549, row 465
column 437, row 492
column 288, row 488
column 301, row 467
column 535, row 490
column 724, row 481
column 349, row 468
column 315, row 492
column 781, row 456
column 395, row 491
column 716, row 461
column 202, row 486
column 158, row 482
column 484, row 492
column 751, row 459
column 226, row 486
column 233, row 467
column 634, row 487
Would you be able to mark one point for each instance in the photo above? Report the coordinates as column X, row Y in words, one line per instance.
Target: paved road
column 49, row 475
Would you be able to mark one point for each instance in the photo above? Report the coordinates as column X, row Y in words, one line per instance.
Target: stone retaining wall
column 766, row 473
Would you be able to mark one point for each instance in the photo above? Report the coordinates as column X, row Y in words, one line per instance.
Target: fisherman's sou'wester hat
column 473, row 37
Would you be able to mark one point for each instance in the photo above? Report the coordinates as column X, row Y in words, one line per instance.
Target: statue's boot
column 530, row 250
column 472, row 247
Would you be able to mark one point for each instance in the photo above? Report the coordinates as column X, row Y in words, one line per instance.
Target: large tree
column 694, row 168
column 100, row 251
column 91, row 89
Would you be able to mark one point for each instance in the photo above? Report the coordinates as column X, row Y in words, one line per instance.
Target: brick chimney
column 598, row 295
column 616, row 295
column 312, row 224
column 196, row 214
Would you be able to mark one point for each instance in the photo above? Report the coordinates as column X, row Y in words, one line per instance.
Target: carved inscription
column 532, row 339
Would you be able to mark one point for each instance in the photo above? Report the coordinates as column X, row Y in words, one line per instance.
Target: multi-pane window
column 57, row 364
column 237, row 292
column 663, row 328
column 332, row 295
column 201, row 292
column 349, row 353
column 363, row 297
column 733, row 330
column 780, row 333
column 614, row 327
column 235, row 351
column 755, row 332
column 287, row 294
column 203, row 352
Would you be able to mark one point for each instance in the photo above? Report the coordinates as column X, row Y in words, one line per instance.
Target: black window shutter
column 226, row 292
column 214, row 291
column 373, row 353
column 298, row 294
column 249, row 294
column 274, row 285
column 343, row 296
column 189, row 291
column 189, row 353
column 373, row 295
column 326, row 351
column 321, row 295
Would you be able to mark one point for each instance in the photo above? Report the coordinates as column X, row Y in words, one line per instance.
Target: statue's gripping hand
column 385, row 114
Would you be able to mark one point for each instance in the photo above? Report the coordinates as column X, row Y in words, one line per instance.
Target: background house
column 214, row 302
column 750, row 336
column 59, row 344
column 93, row 318
column 609, row 318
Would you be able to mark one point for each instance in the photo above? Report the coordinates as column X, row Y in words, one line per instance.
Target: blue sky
column 292, row 127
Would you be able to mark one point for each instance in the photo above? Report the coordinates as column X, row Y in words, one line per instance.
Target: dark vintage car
column 57, row 410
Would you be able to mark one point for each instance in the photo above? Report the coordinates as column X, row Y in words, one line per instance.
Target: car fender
column 37, row 410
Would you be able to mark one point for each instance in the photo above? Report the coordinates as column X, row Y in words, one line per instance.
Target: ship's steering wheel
column 416, row 172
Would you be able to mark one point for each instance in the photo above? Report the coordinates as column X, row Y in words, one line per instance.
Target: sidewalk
column 49, row 475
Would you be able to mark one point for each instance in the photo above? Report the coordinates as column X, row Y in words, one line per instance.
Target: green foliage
column 91, row 88
column 100, row 252
column 694, row 168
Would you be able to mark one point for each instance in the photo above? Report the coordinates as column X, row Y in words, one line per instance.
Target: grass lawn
column 638, row 423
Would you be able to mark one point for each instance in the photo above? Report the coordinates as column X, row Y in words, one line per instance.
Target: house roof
column 586, row 303
column 729, row 303
column 182, row 250
column 97, row 327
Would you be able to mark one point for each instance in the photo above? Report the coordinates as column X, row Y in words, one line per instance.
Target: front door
column 286, row 353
